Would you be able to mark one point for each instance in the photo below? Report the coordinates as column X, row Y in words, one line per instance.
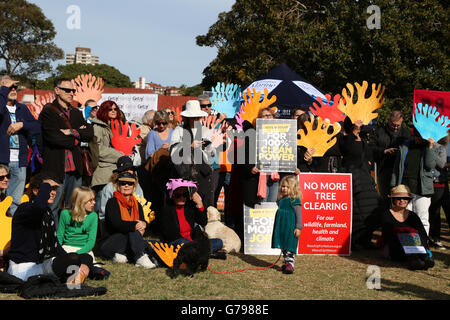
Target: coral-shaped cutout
column 251, row 106
column 165, row 252
column 120, row 139
column 149, row 214
column 318, row 138
column 37, row 106
column 226, row 98
column 87, row 87
column 429, row 122
column 329, row 110
column 364, row 107
column 5, row 223
column 174, row 184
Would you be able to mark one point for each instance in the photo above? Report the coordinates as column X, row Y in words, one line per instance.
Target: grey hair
column 203, row 97
column 148, row 116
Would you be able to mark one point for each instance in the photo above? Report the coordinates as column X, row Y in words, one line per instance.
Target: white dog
column 216, row 229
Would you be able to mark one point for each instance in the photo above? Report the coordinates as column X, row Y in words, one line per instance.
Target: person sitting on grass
column 77, row 230
column 125, row 225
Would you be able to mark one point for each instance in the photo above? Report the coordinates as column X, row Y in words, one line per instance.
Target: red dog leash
column 226, row 272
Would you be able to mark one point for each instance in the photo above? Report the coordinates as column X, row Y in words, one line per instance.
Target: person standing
column 63, row 129
column 16, row 125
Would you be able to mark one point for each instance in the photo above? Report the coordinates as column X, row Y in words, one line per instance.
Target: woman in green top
column 77, row 229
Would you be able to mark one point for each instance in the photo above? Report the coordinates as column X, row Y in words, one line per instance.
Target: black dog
column 194, row 255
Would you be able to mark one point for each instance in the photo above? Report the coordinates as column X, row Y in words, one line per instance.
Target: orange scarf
column 129, row 209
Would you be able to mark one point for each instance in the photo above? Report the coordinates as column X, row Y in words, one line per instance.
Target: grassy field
column 315, row 278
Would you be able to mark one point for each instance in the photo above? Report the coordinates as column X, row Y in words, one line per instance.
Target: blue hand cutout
column 226, row 98
column 429, row 122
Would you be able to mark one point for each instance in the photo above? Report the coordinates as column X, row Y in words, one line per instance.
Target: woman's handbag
column 88, row 170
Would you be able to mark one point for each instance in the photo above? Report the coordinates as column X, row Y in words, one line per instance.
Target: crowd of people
column 81, row 195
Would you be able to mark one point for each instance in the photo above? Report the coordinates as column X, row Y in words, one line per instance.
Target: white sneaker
column 120, row 258
column 145, row 262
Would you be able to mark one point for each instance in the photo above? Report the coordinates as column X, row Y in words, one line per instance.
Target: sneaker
column 289, row 269
column 438, row 245
column 144, row 261
column 120, row 258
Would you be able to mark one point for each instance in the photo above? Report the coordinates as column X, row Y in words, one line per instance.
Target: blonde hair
column 294, row 187
column 80, row 196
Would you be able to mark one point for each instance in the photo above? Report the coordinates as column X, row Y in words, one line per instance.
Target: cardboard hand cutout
column 120, row 139
column 429, row 122
column 329, row 110
column 251, row 106
column 363, row 108
column 39, row 103
column 5, row 223
column 165, row 252
column 87, row 87
column 226, row 98
column 318, row 138
column 149, row 214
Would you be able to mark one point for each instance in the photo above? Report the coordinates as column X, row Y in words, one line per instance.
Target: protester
column 399, row 223
column 108, row 156
column 205, row 104
column 160, row 137
column 4, row 180
column 89, row 112
column 34, row 246
column 190, row 150
column 125, row 225
column 388, row 138
column 288, row 221
column 441, row 192
column 173, row 118
column 124, row 164
column 63, row 129
column 146, row 127
column 305, row 160
column 183, row 210
column 413, row 167
column 77, row 231
column 17, row 124
column 297, row 112
column 356, row 155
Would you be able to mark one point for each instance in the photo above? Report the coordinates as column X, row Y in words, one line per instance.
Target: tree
column 26, row 39
column 193, row 91
column 329, row 43
column 110, row 75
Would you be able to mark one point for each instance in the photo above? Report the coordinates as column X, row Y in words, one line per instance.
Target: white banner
column 269, row 84
column 133, row 105
column 309, row 89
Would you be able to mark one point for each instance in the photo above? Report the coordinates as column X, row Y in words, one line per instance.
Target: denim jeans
column 16, row 184
column 272, row 190
column 70, row 182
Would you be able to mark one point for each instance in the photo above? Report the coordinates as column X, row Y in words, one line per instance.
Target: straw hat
column 193, row 110
column 401, row 191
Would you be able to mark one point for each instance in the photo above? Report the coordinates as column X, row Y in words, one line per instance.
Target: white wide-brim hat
column 193, row 110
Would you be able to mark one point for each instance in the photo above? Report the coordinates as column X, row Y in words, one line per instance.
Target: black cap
column 124, row 163
column 126, row 176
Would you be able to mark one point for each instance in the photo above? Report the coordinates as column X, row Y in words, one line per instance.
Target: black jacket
column 55, row 142
column 385, row 139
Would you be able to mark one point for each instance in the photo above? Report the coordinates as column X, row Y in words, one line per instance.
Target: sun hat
column 401, row 191
column 193, row 110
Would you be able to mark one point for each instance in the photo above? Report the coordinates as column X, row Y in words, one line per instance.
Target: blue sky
column 154, row 39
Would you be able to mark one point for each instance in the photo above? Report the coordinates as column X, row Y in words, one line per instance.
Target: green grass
column 315, row 278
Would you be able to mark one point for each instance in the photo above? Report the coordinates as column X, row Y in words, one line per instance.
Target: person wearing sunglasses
column 182, row 212
column 4, row 180
column 205, row 103
column 403, row 236
column 63, row 130
column 173, row 119
column 160, row 136
column 125, row 225
column 107, row 155
column 17, row 124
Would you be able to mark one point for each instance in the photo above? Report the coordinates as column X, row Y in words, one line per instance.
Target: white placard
column 309, row 89
column 133, row 105
column 269, row 84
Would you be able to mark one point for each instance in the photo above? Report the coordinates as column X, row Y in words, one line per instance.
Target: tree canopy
column 329, row 44
column 26, row 39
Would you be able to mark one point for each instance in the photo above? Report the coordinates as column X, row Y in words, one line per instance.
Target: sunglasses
column 205, row 105
column 171, row 112
column 54, row 188
column 5, row 176
column 402, row 198
column 113, row 109
column 161, row 123
column 14, row 87
column 181, row 195
column 67, row 90
column 126, row 183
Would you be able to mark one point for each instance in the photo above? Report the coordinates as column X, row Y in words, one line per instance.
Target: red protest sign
column 326, row 213
column 438, row 99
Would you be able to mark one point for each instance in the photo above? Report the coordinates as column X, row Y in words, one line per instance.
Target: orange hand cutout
column 251, row 106
column 5, row 223
column 318, row 138
column 364, row 107
column 149, row 214
column 87, row 87
column 165, row 252
column 120, row 139
column 39, row 103
column 328, row 111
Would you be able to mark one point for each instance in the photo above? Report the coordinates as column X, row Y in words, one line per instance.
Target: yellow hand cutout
column 5, row 223
column 251, row 106
column 149, row 215
column 318, row 138
column 165, row 252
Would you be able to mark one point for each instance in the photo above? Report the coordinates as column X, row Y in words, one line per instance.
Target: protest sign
column 276, row 145
column 326, row 213
column 438, row 99
column 133, row 105
column 258, row 224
